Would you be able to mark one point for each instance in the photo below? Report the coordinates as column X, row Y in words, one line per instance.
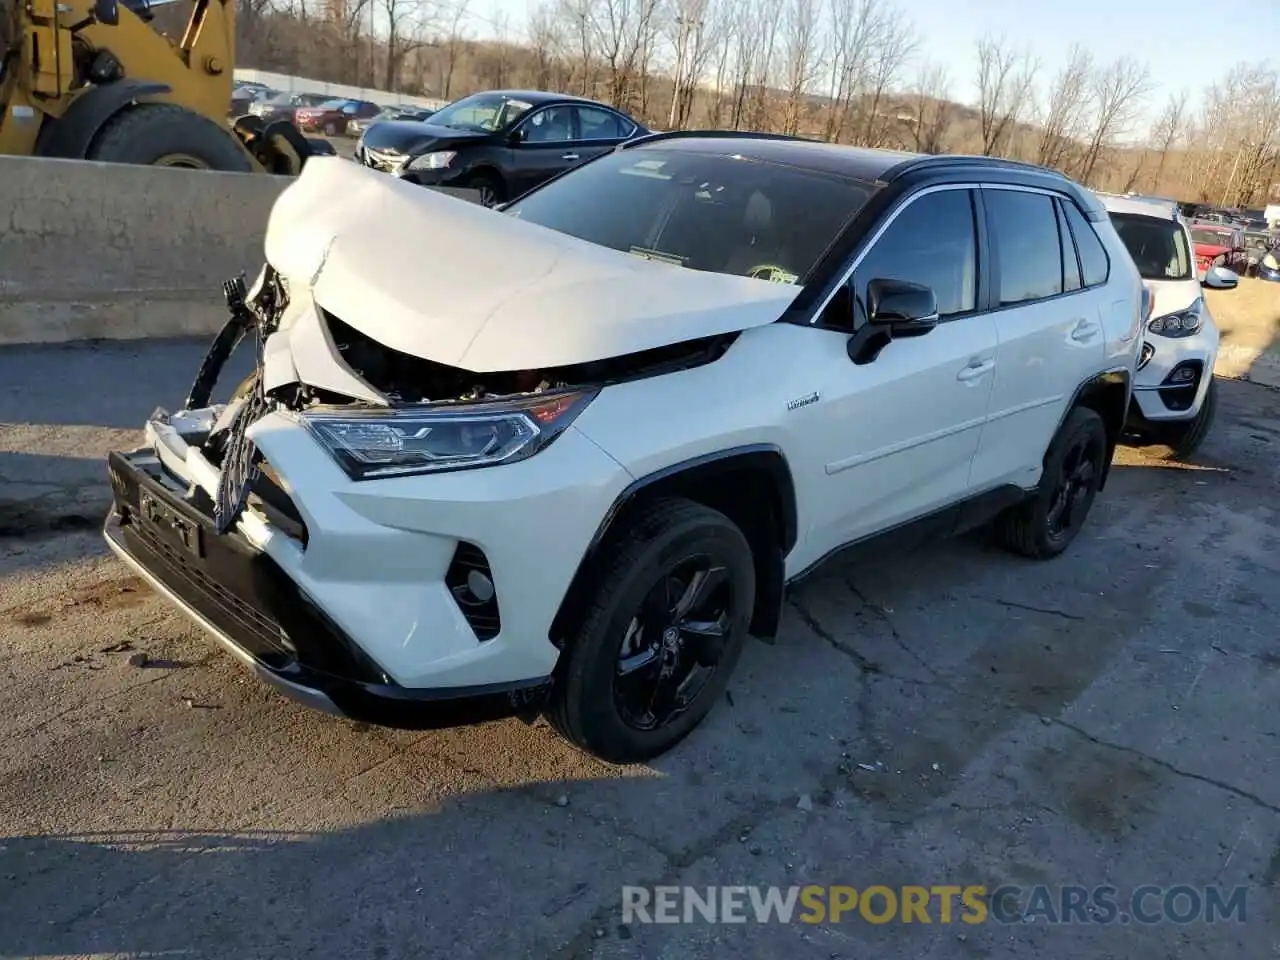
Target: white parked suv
column 1174, row 395
column 565, row 456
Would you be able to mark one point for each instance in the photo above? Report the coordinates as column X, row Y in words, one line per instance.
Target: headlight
column 390, row 443
column 1270, row 262
column 1181, row 324
column 433, row 161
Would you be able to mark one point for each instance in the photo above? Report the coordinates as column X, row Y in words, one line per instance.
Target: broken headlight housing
column 1183, row 323
column 432, row 439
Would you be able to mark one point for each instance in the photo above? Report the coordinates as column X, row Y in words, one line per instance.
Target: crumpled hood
column 437, row 277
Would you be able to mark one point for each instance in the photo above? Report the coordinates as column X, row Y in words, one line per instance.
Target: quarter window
column 597, row 124
column 1093, row 256
column 931, row 242
column 1028, row 248
column 1070, row 265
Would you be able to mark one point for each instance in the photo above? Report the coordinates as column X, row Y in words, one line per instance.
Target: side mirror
column 895, row 309
column 909, row 308
column 517, row 136
column 1220, row 278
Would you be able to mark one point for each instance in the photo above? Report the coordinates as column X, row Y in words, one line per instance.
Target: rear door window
column 1028, row 250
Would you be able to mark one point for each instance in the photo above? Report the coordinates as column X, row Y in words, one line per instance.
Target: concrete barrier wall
column 94, row 250
column 106, row 251
column 291, row 84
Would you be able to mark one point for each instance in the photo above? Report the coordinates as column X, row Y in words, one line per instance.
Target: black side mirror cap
column 515, row 137
column 898, row 302
column 896, row 309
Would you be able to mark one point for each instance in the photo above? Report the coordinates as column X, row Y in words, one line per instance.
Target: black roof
column 863, row 163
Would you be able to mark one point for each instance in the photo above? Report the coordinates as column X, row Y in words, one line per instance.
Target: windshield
column 705, row 212
column 332, row 104
column 1158, row 247
column 482, row 112
column 1212, row 238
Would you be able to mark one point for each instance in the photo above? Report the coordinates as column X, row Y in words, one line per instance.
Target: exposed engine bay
column 406, row 379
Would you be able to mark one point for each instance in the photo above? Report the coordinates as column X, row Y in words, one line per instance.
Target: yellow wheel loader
column 92, row 79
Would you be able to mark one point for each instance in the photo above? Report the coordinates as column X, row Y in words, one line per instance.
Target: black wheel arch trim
column 1106, row 380
column 754, row 456
column 72, row 134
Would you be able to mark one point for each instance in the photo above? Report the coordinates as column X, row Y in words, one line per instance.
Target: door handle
column 1084, row 330
column 975, row 369
column 568, row 156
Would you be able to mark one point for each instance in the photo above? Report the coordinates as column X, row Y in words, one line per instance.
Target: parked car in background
column 1269, row 265
column 244, row 95
column 356, row 127
column 1219, row 245
column 502, row 143
column 1174, row 393
column 1257, row 244
column 332, row 116
column 284, row 106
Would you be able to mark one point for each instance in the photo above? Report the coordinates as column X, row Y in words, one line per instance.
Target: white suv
column 1174, row 394
column 565, row 456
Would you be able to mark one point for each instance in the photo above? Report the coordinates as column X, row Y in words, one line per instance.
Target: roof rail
column 714, row 135
column 961, row 159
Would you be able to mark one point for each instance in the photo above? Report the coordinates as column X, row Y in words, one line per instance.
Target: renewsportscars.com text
column 942, row 903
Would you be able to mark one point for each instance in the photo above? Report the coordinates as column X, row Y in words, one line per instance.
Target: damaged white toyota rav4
column 565, row 456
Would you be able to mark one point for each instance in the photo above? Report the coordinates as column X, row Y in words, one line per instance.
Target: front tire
column 489, row 187
column 1184, row 439
column 166, row 135
column 660, row 636
column 1046, row 524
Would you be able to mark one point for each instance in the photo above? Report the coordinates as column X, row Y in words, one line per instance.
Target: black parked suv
column 501, row 143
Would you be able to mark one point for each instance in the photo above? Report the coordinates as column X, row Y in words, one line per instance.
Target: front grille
column 470, row 581
column 248, row 618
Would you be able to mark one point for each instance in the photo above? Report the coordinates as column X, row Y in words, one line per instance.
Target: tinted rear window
column 1158, row 247
column 706, row 212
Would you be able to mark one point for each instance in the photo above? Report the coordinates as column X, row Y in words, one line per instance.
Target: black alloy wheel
column 673, row 644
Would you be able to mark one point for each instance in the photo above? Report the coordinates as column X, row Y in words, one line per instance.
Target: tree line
column 847, row 71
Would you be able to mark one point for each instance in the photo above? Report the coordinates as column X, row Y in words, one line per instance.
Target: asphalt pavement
column 957, row 716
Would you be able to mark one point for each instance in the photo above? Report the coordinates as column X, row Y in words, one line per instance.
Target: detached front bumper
column 249, row 604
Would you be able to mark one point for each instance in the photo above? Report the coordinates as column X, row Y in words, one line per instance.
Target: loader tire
column 165, row 135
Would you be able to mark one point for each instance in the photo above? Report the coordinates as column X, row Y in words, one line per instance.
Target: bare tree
column 696, row 32
column 1006, row 78
column 1066, row 109
column 455, row 27
column 1118, row 94
column 895, row 42
column 621, row 28
column 931, row 108
column 1169, row 126
column 800, row 57
column 854, row 27
column 406, row 21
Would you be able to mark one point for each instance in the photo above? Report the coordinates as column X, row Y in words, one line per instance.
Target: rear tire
column 1046, row 524
column 633, row 636
column 163, row 134
column 1184, row 439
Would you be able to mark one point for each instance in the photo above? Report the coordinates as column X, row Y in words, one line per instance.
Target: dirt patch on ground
column 118, row 594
